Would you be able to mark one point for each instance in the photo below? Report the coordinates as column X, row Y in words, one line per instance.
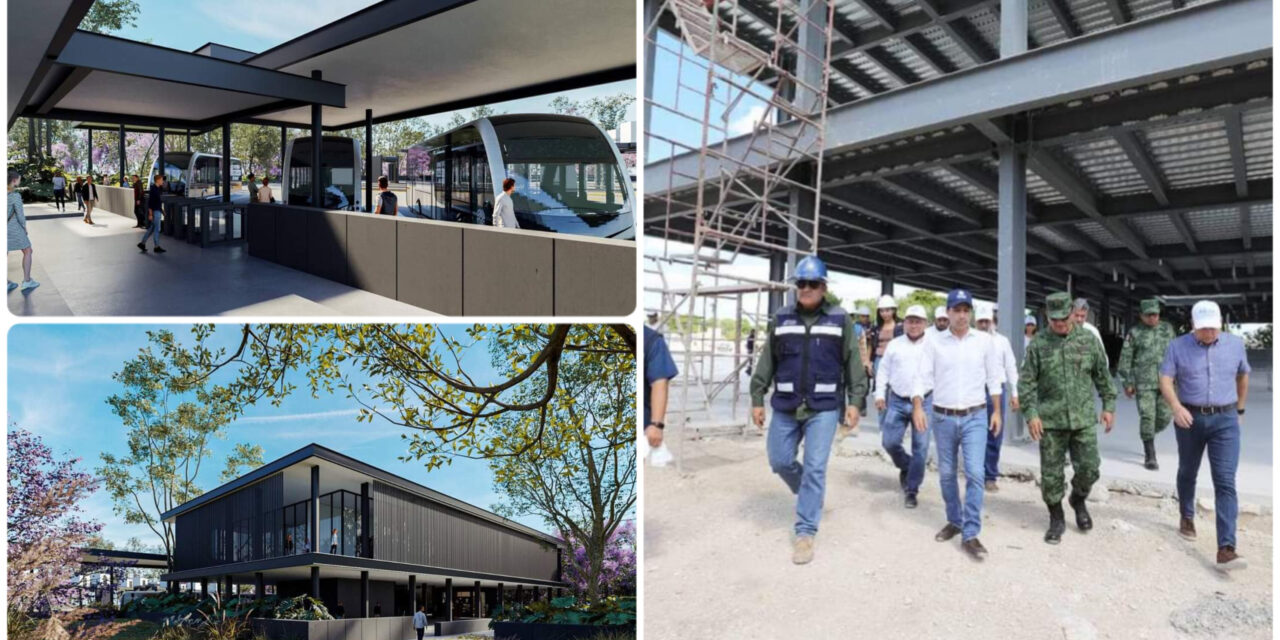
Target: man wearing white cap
column 1205, row 378
column 940, row 322
column 893, row 402
column 1009, row 366
column 1029, row 331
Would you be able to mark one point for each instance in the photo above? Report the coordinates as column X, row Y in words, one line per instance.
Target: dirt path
column 717, row 562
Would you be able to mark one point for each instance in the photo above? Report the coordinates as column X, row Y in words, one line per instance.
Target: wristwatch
column 661, row 426
column 1239, row 412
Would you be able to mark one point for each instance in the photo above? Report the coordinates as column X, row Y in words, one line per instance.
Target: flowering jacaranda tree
column 46, row 530
column 617, row 573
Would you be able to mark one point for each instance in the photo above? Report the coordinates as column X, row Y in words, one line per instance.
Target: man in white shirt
column 893, row 402
column 264, row 192
column 420, row 620
column 960, row 367
column 940, row 322
column 1080, row 316
column 504, row 210
column 1009, row 369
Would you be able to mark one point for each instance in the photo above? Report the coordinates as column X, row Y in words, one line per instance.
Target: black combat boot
column 1057, row 524
column 1149, row 447
column 1083, row 521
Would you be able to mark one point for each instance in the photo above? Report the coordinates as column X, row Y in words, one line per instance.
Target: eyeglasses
column 809, row 284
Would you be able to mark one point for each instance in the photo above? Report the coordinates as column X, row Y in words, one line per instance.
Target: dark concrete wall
column 450, row 268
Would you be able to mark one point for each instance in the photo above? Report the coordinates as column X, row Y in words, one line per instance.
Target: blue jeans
column 808, row 480
column 154, row 228
column 969, row 435
column 1220, row 434
column 994, row 441
column 895, row 422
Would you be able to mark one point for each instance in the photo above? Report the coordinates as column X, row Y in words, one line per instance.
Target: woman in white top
column 264, row 194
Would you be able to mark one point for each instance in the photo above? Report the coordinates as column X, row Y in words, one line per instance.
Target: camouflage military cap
column 1058, row 305
column 1150, row 305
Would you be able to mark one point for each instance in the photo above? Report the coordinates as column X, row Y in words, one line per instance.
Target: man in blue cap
column 960, row 366
column 813, row 361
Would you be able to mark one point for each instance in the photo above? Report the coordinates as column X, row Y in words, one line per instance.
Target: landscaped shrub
column 570, row 610
column 188, row 609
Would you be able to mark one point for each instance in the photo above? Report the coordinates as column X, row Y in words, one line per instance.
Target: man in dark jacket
column 138, row 209
column 155, row 213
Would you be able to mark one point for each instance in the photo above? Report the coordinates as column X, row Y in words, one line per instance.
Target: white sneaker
column 29, row 285
column 12, row 285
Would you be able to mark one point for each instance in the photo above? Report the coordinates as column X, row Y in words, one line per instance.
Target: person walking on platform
column 1205, row 379
column 959, row 367
column 940, row 322
column 1009, row 369
column 1060, row 373
column 893, row 401
column 90, row 199
column 139, row 203
column 812, row 361
column 59, row 191
column 1139, row 371
column 1029, row 331
column 78, row 191
column 155, row 214
column 1080, row 316
column 387, row 203
column 17, row 229
column 504, row 210
column 264, row 194
column 251, row 182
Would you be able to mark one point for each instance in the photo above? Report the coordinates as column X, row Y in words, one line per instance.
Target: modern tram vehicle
column 192, row 173
column 570, row 178
column 341, row 173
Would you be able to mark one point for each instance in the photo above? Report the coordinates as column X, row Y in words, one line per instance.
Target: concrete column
column 498, row 600
column 317, row 133
column 366, row 550
column 225, row 586
column 886, row 283
column 313, row 509
column 188, row 140
column 284, row 144
column 315, row 582
column 226, row 170
column 364, row 594
column 477, row 608
column 413, row 594
column 812, row 40
column 537, row 593
column 1013, row 27
column 124, row 169
column 777, row 273
column 173, row 586
column 259, row 586
column 204, row 587
column 1012, row 264
column 368, row 161
column 48, row 138
column 33, row 138
column 448, row 598
column 89, row 133
column 520, row 593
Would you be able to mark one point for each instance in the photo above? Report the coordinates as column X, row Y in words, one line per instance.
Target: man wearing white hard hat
column 893, row 402
column 1205, row 379
column 1004, row 353
column 940, row 322
column 1029, row 330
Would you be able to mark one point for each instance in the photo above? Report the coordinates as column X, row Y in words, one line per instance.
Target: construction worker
column 1205, row 378
column 1060, row 373
column 1139, row 371
column 1029, row 330
column 812, row 362
column 959, row 366
column 940, row 320
column 1009, row 369
column 862, row 319
column 887, row 327
column 893, row 402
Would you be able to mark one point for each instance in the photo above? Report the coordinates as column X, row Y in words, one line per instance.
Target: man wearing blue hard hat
column 813, row 362
column 960, row 366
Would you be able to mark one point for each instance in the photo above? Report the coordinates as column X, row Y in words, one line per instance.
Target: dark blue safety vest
column 810, row 361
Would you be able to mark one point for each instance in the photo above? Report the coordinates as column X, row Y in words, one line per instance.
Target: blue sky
column 256, row 26
column 60, row 378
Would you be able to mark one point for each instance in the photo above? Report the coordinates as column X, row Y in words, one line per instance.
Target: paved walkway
column 97, row 271
column 1121, row 450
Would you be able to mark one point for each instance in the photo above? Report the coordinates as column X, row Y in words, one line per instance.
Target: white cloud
column 747, row 121
column 295, row 417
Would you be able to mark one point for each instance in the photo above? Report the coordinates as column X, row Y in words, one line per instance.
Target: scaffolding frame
column 737, row 197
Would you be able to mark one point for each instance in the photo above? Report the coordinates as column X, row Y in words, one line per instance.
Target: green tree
column 483, row 111
column 609, row 111
column 110, row 16
column 257, row 146
column 168, row 421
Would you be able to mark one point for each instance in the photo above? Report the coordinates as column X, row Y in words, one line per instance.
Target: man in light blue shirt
column 420, row 620
column 1205, row 379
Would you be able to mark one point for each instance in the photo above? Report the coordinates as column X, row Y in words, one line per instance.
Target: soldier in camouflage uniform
column 1062, row 369
column 1139, row 370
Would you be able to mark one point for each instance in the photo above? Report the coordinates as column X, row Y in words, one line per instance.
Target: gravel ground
column 717, row 561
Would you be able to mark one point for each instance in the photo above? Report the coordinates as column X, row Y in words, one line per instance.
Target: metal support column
column 366, row 546
column 777, row 273
column 124, row 169
column 1013, row 27
column 886, row 284
column 1012, row 265
column 89, row 133
column 413, row 594
column 226, row 170
column 498, row 600
column 224, row 586
column 368, row 161
column 204, row 587
column 477, row 607
column 48, row 139
column 313, row 510
column 364, row 594
column 651, row 9
column 32, row 139
column 315, row 582
column 520, row 594
column 159, row 152
column 284, row 142
column 803, row 202
column 259, row 586
column 317, row 136
column 448, row 598
column 188, row 140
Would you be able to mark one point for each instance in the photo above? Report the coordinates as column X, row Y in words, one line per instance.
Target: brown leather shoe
column 975, row 549
column 802, row 550
column 948, row 532
column 1229, row 561
column 992, row 487
column 1187, row 528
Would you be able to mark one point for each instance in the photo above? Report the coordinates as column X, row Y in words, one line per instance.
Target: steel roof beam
column 1062, row 14
column 1119, row 12
column 959, row 30
column 925, row 50
column 1235, row 138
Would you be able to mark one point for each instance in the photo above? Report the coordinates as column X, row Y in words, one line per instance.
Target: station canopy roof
column 398, row 58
